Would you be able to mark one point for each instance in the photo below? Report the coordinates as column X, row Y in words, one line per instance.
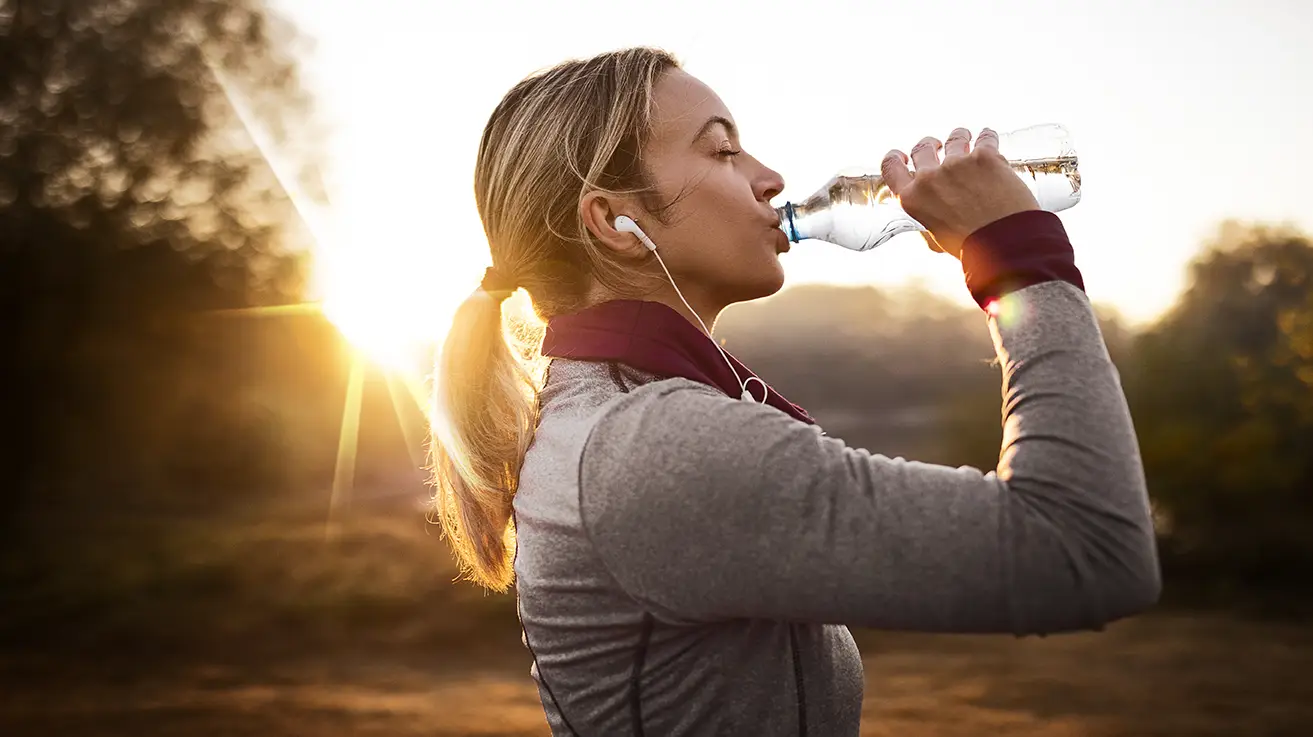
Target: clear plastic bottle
column 856, row 210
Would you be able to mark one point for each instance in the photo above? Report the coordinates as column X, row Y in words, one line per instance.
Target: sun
column 378, row 267
column 386, row 267
column 401, row 253
column 387, row 295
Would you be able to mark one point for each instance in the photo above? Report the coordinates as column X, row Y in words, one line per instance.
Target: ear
column 599, row 211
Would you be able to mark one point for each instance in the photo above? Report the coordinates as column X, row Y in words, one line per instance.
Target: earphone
column 626, row 224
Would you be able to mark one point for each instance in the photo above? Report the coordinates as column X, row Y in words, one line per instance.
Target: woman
column 688, row 560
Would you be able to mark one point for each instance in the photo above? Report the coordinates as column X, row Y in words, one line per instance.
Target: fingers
column 894, row 170
column 957, row 143
column 925, row 154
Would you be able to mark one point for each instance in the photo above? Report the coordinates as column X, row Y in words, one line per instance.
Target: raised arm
column 710, row 508
column 707, row 508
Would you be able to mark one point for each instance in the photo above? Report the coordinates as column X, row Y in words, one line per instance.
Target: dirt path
column 1158, row 676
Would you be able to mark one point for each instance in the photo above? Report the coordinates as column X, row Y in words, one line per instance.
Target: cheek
column 732, row 195
column 717, row 231
column 729, row 224
column 721, row 210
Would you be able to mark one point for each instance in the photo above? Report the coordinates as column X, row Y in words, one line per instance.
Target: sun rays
column 387, row 333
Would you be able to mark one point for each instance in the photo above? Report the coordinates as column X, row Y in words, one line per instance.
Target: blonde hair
column 557, row 135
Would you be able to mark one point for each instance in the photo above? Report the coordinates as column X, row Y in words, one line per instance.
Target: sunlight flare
column 402, row 400
column 376, row 262
column 310, row 212
column 304, row 308
column 344, row 471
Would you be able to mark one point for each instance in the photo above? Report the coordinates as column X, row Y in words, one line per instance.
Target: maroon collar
column 654, row 338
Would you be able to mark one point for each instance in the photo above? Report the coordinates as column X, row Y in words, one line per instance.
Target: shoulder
column 655, row 446
column 641, row 430
column 678, row 419
column 649, row 407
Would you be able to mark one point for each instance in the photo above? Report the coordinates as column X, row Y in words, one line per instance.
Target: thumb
column 951, row 248
column 931, row 243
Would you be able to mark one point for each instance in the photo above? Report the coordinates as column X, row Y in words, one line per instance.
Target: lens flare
column 371, row 271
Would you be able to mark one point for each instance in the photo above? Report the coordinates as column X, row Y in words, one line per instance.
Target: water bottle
column 856, row 210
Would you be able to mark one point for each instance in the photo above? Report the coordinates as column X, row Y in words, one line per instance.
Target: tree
column 130, row 200
column 1222, row 392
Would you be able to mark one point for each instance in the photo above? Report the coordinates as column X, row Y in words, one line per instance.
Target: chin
column 776, row 281
column 764, row 284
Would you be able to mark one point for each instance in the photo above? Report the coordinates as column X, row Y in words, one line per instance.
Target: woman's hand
column 970, row 189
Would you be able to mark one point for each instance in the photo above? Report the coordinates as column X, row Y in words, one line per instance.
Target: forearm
column 1071, row 464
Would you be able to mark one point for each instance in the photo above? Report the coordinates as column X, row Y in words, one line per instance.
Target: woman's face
column 721, row 240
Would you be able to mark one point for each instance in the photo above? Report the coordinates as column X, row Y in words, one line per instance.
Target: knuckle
column 927, row 181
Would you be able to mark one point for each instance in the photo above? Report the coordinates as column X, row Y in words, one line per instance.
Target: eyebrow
column 714, row 121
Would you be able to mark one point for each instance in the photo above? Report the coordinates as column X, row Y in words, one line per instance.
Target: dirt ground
column 1159, row 675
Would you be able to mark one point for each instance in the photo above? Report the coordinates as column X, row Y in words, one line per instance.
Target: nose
column 768, row 184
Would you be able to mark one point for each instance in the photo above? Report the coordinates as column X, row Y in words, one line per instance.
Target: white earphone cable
column 742, row 384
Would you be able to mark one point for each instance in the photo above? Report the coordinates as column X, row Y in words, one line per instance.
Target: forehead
column 681, row 104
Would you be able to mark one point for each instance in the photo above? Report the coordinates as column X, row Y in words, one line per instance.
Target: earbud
column 626, row 224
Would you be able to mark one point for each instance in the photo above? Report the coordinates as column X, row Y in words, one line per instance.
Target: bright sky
column 1183, row 113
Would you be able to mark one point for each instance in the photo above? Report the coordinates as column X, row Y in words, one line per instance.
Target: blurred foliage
column 263, row 576
column 1221, row 388
column 1222, row 391
column 132, row 205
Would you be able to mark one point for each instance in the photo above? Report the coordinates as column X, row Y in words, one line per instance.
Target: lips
column 782, row 244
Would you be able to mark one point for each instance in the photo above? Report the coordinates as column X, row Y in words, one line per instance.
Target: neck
column 707, row 309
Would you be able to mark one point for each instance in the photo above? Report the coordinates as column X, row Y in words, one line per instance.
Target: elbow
column 1135, row 586
column 1108, row 571
column 1124, row 554
column 1121, row 576
column 1104, row 591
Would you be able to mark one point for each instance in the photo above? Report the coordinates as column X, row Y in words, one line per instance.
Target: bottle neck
column 787, row 222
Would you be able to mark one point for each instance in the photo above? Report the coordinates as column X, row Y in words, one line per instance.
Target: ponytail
column 486, row 410
column 556, row 136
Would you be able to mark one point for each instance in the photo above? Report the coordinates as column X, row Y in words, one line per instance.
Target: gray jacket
column 689, row 564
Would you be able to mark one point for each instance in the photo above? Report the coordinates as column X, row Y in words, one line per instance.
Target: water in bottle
column 856, row 210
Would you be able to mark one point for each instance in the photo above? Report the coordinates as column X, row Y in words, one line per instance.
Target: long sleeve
column 706, row 508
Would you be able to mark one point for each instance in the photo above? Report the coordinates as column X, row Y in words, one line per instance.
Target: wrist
column 1015, row 252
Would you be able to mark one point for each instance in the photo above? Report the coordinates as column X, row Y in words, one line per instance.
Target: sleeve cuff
column 1016, row 252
